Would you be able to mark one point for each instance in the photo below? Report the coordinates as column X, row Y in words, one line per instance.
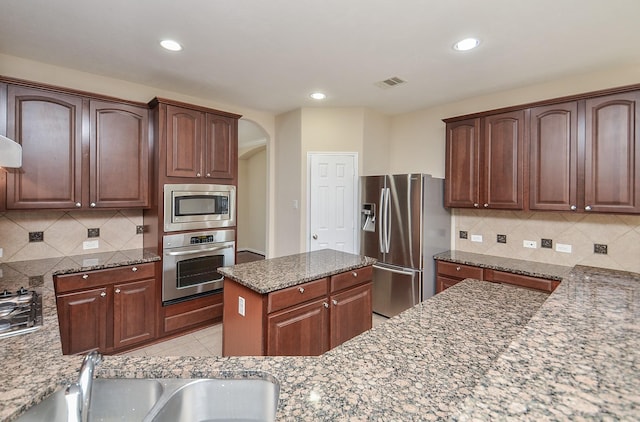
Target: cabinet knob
column 208, row 174
column 573, row 208
column 86, row 276
column 92, row 205
column 315, row 236
column 78, row 204
column 301, row 289
column 335, row 302
column 117, row 290
column 457, row 268
column 103, row 294
column 355, row 274
column 486, row 205
column 134, row 269
column 326, row 305
column 587, row 208
column 197, row 174
column 476, row 205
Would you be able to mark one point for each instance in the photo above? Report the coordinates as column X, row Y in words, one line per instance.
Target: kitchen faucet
column 78, row 394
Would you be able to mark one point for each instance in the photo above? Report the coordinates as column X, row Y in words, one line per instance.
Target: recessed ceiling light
column 171, row 45
column 466, row 44
column 318, row 96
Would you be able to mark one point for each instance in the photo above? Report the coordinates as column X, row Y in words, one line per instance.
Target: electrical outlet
column 241, row 305
column 529, row 244
column 561, row 247
column 476, row 238
column 90, row 244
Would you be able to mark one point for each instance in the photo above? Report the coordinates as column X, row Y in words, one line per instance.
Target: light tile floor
column 205, row 342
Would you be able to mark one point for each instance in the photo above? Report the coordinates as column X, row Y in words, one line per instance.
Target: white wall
column 252, row 201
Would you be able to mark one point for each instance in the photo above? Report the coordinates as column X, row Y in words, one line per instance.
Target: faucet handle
column 73, row 397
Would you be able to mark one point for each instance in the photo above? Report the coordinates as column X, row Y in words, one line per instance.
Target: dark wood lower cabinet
column 350, row 314
column 83, row 321
column 301, row 331
column 133, row 313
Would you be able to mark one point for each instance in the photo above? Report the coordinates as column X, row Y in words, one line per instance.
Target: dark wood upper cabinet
column 553, row 157
column 462, row 181
column 184, row 142
column 77, row 152
column 612, row 153
column 220, row 153
column 119, row 155
column 48, row 125
column 503, row 161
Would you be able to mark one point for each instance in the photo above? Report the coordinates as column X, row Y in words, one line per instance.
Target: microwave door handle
column 180, row 253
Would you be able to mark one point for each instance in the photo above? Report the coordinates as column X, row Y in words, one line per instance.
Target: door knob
column 315, row 236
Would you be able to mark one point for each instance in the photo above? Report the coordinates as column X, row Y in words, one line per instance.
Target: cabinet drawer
column 524, row 281
column 459, row 271
column 350, row 278
column 297, row 294
column 88, row 279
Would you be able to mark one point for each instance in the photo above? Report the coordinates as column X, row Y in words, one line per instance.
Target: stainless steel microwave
column 201, row 206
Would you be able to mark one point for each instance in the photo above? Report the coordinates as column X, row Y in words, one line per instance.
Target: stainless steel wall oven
column 190, row 262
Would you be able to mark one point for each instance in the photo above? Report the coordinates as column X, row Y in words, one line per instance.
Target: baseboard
column 252, row 251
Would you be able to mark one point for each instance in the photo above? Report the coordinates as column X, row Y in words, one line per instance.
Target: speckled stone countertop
column 477, row 351
column 274, row 274
column 516, row 266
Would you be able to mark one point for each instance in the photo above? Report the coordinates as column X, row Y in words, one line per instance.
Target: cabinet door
column 134, row 312
column 299, row 331
column 462, row 164
column 553, row 157
column 221, row 147
column 351, row 313
column 119, row 155
column 49, row 128
column 184, row 142
column 503, row 161
column 443, row 283
column 83, row 321
column 612, row 153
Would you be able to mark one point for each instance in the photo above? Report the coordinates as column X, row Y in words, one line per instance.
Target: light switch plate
column 91, row 244
column 561, row 247
column 476, row 238
column 241, row 305
column 529, row 244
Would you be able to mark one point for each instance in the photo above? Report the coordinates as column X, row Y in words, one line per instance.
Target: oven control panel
column 196, row 240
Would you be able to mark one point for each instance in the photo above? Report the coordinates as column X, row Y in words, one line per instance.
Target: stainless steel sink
column 242, row 397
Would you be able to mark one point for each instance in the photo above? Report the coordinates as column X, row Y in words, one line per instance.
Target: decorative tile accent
column 464, row 234
column 139, row 229
column 501, row 238
column 36, row 236
column 93, row 232
column 546, row 243
column 599, row 248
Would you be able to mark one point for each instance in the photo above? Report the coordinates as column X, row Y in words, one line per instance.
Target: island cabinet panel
column 299, row 331
column 351, row 314
column 292, row 296
column 553, row 157
column 612, row 153
column 107, row 310
column 243, row 321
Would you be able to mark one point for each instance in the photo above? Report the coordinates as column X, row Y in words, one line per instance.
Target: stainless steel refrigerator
column 403, row 224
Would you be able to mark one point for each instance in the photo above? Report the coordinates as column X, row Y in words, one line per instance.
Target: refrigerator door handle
column 381, row 240
column 387, row 212
column 393, row 270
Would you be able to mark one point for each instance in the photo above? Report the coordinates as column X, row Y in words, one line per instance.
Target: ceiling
column 270, row 55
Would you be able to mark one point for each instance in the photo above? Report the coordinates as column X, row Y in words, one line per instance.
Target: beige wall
column 252, row 201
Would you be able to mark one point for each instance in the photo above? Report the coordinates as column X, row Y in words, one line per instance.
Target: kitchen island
column 478, row 350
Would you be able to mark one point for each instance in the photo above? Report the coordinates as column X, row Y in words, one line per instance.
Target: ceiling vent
column 390, row 83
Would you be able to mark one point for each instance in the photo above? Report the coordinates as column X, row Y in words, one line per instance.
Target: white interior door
column 332, row 202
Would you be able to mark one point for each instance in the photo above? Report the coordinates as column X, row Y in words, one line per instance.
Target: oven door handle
column 217, row 248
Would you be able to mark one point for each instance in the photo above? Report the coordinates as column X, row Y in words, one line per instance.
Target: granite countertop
column 477, row 351
column 516, row 266
column 277, row 273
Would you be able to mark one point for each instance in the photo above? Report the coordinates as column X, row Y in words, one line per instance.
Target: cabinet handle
column 208, row 174
column 301, row 289
column 573, row 208
column 197, row 174
column 134, row 269
column 355, row 274
column 315, row 237
column 86, row 276
column 92, row 205
column 457, row 268
column 476, row 205
column 326, row 305
column 486, row 205
column 335, row 302
column 587, row 208
column 103, row 294
column 117, row 290
column 78, row 204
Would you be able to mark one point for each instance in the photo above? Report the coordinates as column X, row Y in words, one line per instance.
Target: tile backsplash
column 618, row 235
column 65, row 232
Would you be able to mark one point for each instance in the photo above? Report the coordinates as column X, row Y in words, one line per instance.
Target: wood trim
column 576, row 97
column 157, row 100
column 64, row 90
